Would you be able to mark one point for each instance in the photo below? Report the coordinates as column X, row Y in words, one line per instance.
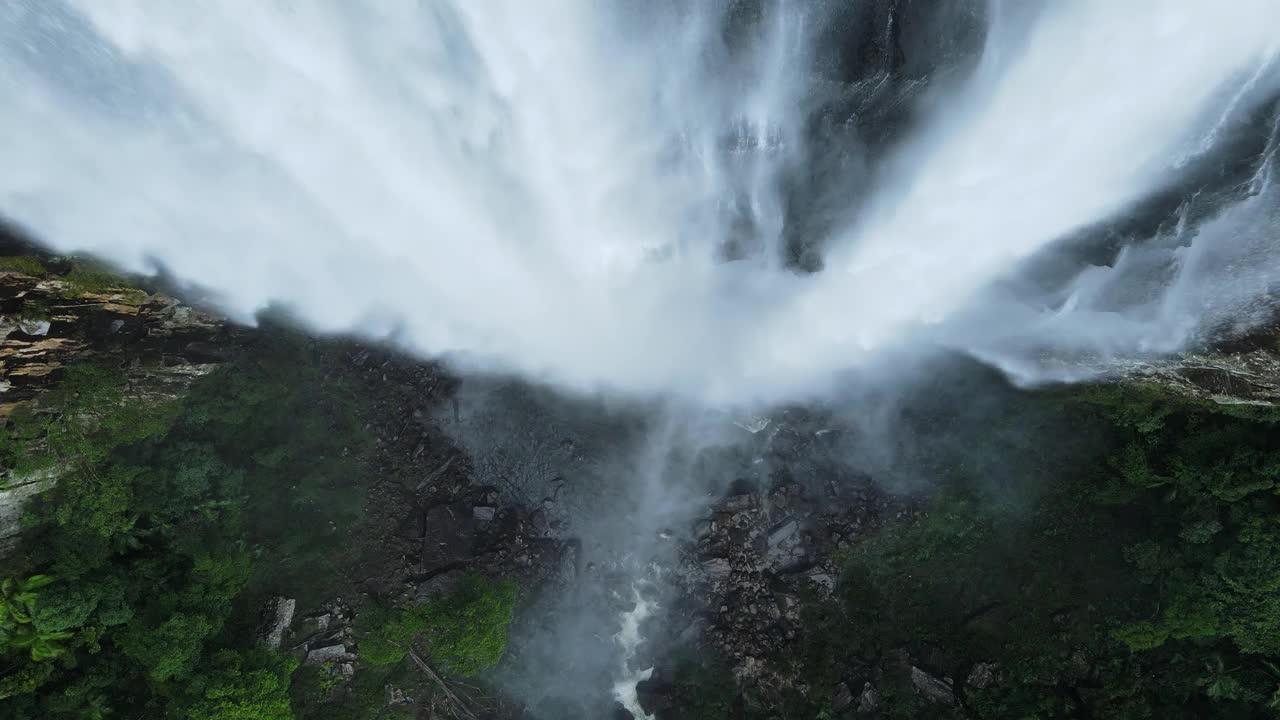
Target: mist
column 603, row 199
column 640, row 229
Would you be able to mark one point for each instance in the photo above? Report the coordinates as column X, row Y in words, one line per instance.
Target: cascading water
column 708, row 202
column 629, row 639
column 555, row 190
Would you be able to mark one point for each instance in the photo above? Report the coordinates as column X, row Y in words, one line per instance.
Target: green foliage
column 24, row 680
column 167, row 650
column 166, row 526
column 1209, row 482
column 24, row 264
column 242, row 686
column 465, row 630
column 18, row 598
column 1142, row 635
column 81, row 422
column 294, row 437
column 1142, row 582
column 386, row 635
column 88, row 276
column 315, row 696
column 703, row 685
column 22, row 627
column 20, row 615
column 330, row 677
column 67, row 606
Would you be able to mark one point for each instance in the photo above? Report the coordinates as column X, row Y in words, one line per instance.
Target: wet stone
column 717, row 569
column 931, row 688
column 841, row 698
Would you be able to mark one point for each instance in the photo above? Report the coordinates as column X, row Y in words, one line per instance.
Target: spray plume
column 550, row 188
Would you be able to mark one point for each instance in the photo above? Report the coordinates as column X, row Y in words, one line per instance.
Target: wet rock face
column 766, row 547
column 435, row 516
column 874, row 66
column 1245, row 370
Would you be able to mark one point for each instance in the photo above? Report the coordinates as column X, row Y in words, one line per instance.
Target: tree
column 465, row 631
column 18, row 611
column 170, row 650
column 242, row 686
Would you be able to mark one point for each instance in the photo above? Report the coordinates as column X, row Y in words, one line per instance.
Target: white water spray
column 1093, row 113
column 629, row 639
column 542, row 187
column 548, row 187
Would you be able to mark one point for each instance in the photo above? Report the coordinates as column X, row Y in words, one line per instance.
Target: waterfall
column 595, row 196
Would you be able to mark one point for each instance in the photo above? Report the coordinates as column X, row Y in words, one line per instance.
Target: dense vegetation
column 1138, row 579
column 76, row 275
column 136, row 590
column 465, row 629
column 136, row 557
column 459, row 632
column 1141, row 582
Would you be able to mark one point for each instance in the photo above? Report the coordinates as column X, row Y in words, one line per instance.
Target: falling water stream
column 549, row 188
column 606, row 197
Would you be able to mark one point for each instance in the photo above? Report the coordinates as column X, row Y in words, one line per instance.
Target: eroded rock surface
column 762, row 551
column 1242, row 371
column 49, row 323
column 53, row 315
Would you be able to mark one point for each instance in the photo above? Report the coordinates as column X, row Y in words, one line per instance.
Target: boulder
column 983, row 676
column 16, row 493
column 868, row 699
column 822, row 579
column 34, row 328
column 437, row 585
column 841, row 698
column 331, row 653
column 783, row 533
column 393, row 695
column 786, row 548
column 738, row 503
column 655, row 696
column 717, row 569
column 276, row 617
column 932, row 688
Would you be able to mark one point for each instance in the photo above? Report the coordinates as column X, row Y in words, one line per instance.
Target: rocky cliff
column 1242, row 371
column 58, row 312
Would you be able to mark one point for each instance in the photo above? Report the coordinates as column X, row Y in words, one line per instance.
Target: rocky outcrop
column 1245, row 371
column 14, row 496
column 933, row 688
column 759, row 554
column 277, row 616
column 49, row 322
column 55, row 313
